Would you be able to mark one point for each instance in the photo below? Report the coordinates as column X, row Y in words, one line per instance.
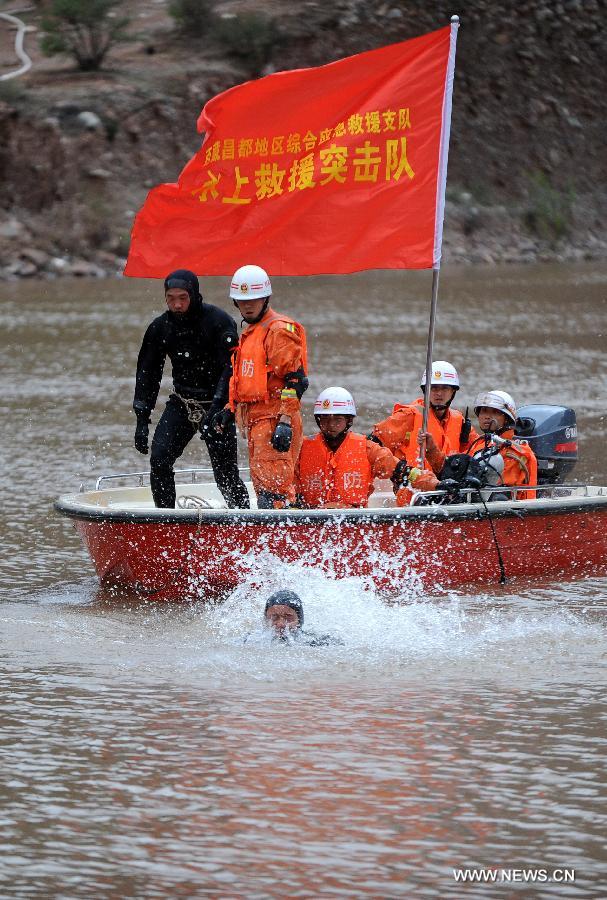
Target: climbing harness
column 196, row 409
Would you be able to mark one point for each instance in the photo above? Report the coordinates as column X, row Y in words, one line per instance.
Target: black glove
column 221, row 420
column 282, row 437
column 297, row 382
column 464, row 435
column 207, row 429
column 375, row 439
column 400, row 475
column 142, row 432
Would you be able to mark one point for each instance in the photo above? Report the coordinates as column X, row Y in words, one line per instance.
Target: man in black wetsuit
column 198, row 339
column 284, row 616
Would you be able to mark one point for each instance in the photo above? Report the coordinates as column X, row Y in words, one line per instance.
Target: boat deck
column 190, row 495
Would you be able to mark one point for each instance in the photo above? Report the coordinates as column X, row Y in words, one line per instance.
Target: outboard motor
column 551, row 432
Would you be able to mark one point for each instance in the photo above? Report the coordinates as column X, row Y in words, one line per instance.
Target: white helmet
column 334, row 401
column 499, row 400
column 443, row 373
column 250, row 283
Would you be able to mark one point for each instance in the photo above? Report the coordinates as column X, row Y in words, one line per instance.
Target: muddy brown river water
column 146, row 752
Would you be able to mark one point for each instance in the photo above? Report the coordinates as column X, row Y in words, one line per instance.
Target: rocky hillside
column 528, row 168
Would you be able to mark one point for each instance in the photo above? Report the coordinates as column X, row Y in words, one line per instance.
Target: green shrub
column 251, row 36
column 549, row 211
column 12, row 92
column 193, row 18
column 82, row 29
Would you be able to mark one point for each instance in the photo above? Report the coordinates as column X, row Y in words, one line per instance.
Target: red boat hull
column 166, row 560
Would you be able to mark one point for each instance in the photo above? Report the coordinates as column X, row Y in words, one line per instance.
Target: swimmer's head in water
column 284, row 612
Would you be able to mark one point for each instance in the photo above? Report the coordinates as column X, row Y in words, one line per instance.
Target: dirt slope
column 78, row 152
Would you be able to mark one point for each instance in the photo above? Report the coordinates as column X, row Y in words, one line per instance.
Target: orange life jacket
column 524, row 457
column 447, row 438
column 250, row 365
column 343, row 477
column 520, row 463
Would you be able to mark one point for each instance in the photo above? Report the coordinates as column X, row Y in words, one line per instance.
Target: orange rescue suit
column 267, row 352
column 399, row 433
column 520, row 467
column 343, row 478
column 520, row 464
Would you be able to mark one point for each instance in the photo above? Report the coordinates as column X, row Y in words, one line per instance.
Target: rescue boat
column 201, row 549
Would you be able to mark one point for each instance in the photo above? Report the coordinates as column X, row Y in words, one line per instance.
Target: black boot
column 162, row 482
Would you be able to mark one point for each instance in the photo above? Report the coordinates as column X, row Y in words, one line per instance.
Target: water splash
column 517, row 634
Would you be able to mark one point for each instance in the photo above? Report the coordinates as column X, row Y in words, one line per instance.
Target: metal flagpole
column 440, row 216
column 430, row 350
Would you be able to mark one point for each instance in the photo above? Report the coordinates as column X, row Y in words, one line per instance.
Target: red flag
column 333, row 169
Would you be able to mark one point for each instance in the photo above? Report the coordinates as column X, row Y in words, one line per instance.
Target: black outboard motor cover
column 551, row 432
column 474, row 471
column 456, row 467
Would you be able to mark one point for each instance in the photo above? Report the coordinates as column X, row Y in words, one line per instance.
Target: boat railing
column 470, row 494
column 142, row 478
column 467, row 495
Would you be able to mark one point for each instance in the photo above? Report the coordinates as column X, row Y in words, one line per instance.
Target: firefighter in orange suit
column 496, row 412
column 269, row 369
column 337, row 467
column 448, row 431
